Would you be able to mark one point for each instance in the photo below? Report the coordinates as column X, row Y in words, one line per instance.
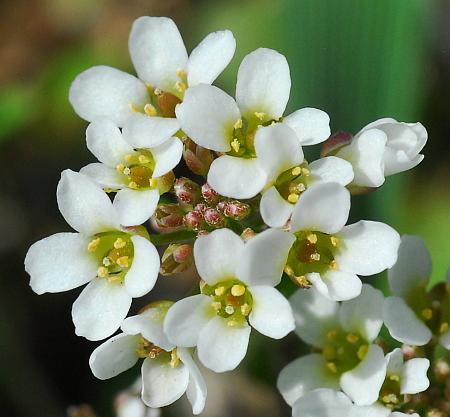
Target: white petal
column 186, row 318
column 141, row 131
column 264, row 257
column 263, row 83
column 277, row 149
column 150, row 325
column 157, row 51
column 394, row 362
column 167, row 156
column 303, row 375
column 315, row 316
column 413, row 266
column 135, row 207
column 104, row 140
column 332, row 169
column 444, row 340
column 103, row 175
column 337, row 285
column 161, row 384
column 196, row 390
column 398, row 414
column 105, row 92
column 271, row 313
column 237, row 177
column 274, row 209
column 364, row 314
column 366, row 153
column 84, row 205
column 217, row 255
column 403, row 324
column 363, row 383
column 414, row 378
column 311, row 125
column 60, row 262
column 100, row 309
column 210, row 57
column 374, row 410
column 324, row 207
column 130, row 406
column 367, row 247
column 323, row 403
column 114, row 356
column 221, row 347
column 207, row 115
column 142, row 275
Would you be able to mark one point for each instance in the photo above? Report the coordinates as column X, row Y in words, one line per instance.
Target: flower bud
column 165, row 182
column 197, row 158
column 201, row 207
column 83, row 410
column 187, row 191
column 441, row 370
column 176, row 258
column 214, row 218
column 334, row 143
column 168, row 217
column 247, row 234
column 236, row 210
column 194, row 220
column 209, row 194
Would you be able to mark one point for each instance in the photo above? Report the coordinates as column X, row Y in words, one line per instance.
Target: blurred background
column 357, row 60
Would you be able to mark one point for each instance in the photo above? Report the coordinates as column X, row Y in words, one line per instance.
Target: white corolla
column 237, row 294
column 343, row 336
column 414, row 314
column 216, row 121
column 330, row 255
column 131, row 163
column 117, row 263
column 164, row 72
column 167, row 371
column 382, row 148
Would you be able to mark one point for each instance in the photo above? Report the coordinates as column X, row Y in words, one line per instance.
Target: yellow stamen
column 119, row 243
column 427, row 313
column 229, row 309
column 334, row 240
column 352, row 338
column 333, row 264
column 143, row 159
column 289, row 271
column 238, row 124
column 219, row 291
column 235, row 145
column 153, row 182
column 174, row 359
column 293, row 198
column 237, row 290
column 123, row 261
column 296, row 171
column 102, row 272
column 305, row 172
column 315, row 256
column 180, row 86
column 150, row 110
column 260, row 115
column 158, row 91
column 181, row 73
column 362, row 352
column 394, row 377
column 120, row 167
column 301, row 187
column 443, row 327
column 127, row 171
column 133, row 107
column 312, row 238
column 302, row 281
column 106, row 261
column 390, row 399
column 245, row 309
column 216, row 305
column 332, row 367
column 132, row 184
column 93, row 245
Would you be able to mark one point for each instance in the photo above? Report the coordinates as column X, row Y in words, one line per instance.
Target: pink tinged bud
column 197, row 158
column 209, row 194
column 335, row 142
column 187, row 191
column 137, row 230
column 168, row 217
column 194, row 220
column 214, row 218
column 247, row 234
column 201, row 207
column 176, row 258
column 236, row 210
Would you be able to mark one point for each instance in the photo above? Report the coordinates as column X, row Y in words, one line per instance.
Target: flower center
column 147, row 349
column 114, row 252
column 344, row 351
column 231, row 300
column 311, row 252
column 137, row 170
column 293, row 182
column 390, row 394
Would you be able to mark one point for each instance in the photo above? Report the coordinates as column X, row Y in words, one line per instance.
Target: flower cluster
column 262, row 214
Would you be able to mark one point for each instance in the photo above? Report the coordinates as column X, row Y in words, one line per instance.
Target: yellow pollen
column 158, row 91
column 427, row 313
column 128, row 157
column 332, row 367
column 296, row 171
column 301, row 187
column 216, row 305
column 119, row 243
column 219, row 291
column 390, row 399
column 123, row 261
column 93, row 245
column 229, row 309
column 292, row 198
column 362, row 352
column 235, row 145
column 443, row 327
column 181, row 72
column 174, row 359
column 238, row 124
column 120, row 167
column 302, row 281
column 149, row 86
column 106, row 261
column 333, row 264
column 332, row 335
column 180, row 86
column 305, row 172
column 394, row 377
column 132, row 184
column 315, row 256
column 127, row 171
column 153, row 182
column 260, row 115
column 352, row 338
column 289, row 271
column 102, row 272
column 150, row 110
column 312, row 238
column 133, row 107
column 334, row 240
column 143, row 159
column 245, row 309
column 237, row 290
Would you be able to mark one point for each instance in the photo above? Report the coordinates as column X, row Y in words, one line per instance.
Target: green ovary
column 137, row 170
column 293, row 182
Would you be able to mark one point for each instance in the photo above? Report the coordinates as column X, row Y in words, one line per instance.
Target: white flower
column 216, row 121
column 382, row 148
column 167, row 371
column 164, row 70
column 117, row 264
column 129, row 403
column 238, row 293
column 330, row 255
column 131, row 161
column 413, row 315
column 343, row 335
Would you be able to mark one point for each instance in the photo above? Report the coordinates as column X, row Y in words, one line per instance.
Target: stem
column 174, row 237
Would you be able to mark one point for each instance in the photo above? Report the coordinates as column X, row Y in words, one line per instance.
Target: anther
column 216, row 305
column 174, row 359
column 180, row 86
column 296, row 171
column 132, row 184
column 352, row 338
column 235, row 145
column 289, row 271
column 333, row 264
column 120, row 167
column 292, row 198
column 443, row 328
column 150, row 110
column 301, row 187
column 302, row 281
column 305, row 172
column 128, row 157
column 362, row 352
column 126, row 171
column 93, row 244
column 143, row 159
column 260, row 115
column 123, row 261
column 119, row 243
column 238, row 124
column 427, row 313
column 158, row 91
column 315, row 256
column 229, row 309
column 102, row 272
column 334, row 240
column 332, row 367
column 312, row 238
column 390, row 399
column 245, row 309
column 181, row 73
column 219, row 291
column 106, row 261
column 133, row 107
column 394, row 377
column 237, row 290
